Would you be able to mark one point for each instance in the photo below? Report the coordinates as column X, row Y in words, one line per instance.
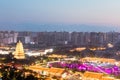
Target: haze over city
column 62, row 15
column 59, row 39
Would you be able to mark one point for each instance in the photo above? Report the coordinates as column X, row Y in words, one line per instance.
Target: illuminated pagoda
column 19, row 52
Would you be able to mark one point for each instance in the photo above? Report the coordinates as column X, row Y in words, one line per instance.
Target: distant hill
column 60, row 27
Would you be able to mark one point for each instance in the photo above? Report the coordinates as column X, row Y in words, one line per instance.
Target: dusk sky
column 95, row 12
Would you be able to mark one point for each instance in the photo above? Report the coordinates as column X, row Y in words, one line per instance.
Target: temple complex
column 19, row 52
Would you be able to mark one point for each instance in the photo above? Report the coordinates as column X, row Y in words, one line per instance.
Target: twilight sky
column 95, row 12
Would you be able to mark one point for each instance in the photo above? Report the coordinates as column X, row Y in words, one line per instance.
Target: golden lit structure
column 47, row 71
column 96, row 76
column 19, row 52
column 112, row 61
column 57, row 56
column 92, row 76
column 108, row 78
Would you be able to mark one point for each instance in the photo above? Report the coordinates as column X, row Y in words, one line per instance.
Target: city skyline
column 59, row 28
column 24, row 15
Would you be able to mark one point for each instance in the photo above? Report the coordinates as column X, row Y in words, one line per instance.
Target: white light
column 32, row 54
column 4, row 52
column 110, row 45
column 48, row 50
column 32, row 42
column 64, row 75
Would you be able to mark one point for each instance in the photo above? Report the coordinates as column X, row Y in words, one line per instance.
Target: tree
column 31, row 77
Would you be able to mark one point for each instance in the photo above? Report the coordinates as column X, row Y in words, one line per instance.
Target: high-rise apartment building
column 60, row 38
column 8, row 37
